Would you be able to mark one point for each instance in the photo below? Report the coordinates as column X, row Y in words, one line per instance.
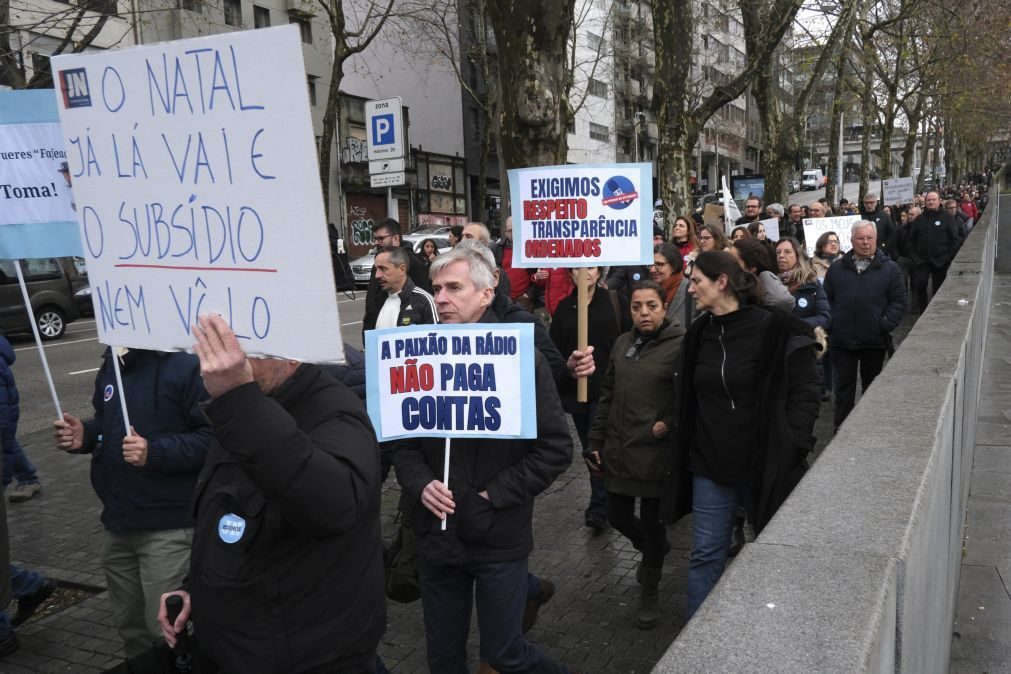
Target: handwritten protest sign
column 897, row 191
column 582, row 215
column 452, row 381
column 36, row 204
column 197, row 187
column 771, row 228
column 841, row 225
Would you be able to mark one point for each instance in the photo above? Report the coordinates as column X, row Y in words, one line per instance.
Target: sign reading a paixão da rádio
column 452, row 381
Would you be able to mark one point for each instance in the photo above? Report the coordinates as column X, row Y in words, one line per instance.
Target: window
column 311, row 80
column 594, row 41
column 261, row 17
column 599, row 132
column 40, row 63
column 191, row 5
column 572, row 126
column 101, row 6
column 596, row 88
column 305, row 26
column 233, row 13
column 42, row 268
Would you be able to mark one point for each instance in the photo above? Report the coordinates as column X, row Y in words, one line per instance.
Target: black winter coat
column 417, row 271
column 865, row 307
column 163, row 396
column 292, row 480
column 417, row 307
column 623, row 278
column 512, row 471
column 9, row 400
column 811, row 304
column 507, row 311
column 934, row 237
column 789, row 399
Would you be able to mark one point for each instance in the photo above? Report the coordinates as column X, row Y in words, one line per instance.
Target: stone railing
column 858, row 571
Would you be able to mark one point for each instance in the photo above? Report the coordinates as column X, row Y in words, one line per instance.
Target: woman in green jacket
column 628, row 442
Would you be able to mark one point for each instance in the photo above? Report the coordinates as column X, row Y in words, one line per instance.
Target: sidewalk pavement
column 589, row 624
column 980, row 639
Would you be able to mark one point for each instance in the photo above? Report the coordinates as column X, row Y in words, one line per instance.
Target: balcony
column 303, row 9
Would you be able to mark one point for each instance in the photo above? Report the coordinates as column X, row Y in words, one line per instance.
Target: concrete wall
column 858, row 571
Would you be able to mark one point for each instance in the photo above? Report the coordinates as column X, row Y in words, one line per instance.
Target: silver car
column 362, row 267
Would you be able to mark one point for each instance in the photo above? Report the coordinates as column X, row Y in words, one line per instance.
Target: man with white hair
column 868, row 300
column 482, row 556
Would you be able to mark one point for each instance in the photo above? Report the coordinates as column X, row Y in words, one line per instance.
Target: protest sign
column 197, row 188
column 897, row 191
column 36, row 204
column 712, row 214
column 452, row 381
column 771, row 228
column 841, row 225
column 582, row 215
column 733, row 212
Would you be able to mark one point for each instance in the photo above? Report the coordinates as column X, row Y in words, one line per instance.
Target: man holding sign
column 489, row 500
column 286, row 572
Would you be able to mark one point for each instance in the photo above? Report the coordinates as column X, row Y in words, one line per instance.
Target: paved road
column 850, row 190
column 74, row 359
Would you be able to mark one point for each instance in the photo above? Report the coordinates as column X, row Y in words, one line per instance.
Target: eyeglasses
column 380, row 239
column 706, row 238
column 835, row 241
column 660, row 264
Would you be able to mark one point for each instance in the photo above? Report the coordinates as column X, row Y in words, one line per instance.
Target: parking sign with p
column 384, row 128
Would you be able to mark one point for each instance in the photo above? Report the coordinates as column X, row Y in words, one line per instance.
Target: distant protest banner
column 452, row 381
column 36, row 203
column 897, row 191
column 841, row 225
column 197, row 186
column 771, row 228
column 582, row 215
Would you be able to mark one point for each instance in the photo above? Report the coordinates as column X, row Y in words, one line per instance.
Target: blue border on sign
column 527, row 365
column 645, row 215
column 26, row 240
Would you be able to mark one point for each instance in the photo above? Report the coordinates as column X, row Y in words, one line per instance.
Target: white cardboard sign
column 197, row 188
column 841, row 225
column 897, row 191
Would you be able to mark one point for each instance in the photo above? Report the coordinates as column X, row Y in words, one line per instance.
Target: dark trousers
column 646, row 532
column 598, row 494
column 923, row 273
column 845, row 363
column 448, row 594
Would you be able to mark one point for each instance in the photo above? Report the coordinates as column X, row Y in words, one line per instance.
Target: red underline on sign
column 169, row 266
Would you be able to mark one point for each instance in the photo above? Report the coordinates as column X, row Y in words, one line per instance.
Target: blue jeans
column 714, row 508
column 16, row 463
column 447, row 597
column 598, row 494
column 23, row 583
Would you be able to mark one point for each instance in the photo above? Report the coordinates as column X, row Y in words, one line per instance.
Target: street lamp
column 640, row 119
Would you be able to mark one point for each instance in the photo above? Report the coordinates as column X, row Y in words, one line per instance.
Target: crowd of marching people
column 241, row 502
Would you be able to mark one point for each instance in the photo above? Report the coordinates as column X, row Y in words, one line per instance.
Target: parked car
column 362, row 267
column 51, row 283
column 82, row 289
column 793, row 183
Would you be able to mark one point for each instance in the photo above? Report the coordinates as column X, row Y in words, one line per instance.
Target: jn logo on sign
column 74, row 85
column 382, row 130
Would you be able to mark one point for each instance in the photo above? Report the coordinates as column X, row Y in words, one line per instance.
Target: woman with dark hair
column 683, row 236
column 666, row 271
column 606, row 320
column 711, row 237
column 753, row 256
column 739, row 232
column 748, row 403
column 628, row 442
column 800, row 278
column 826, row 251
column 429, row 251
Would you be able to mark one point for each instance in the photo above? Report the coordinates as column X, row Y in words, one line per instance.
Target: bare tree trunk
column 531, row 37
column 867, row 115
column 928, row 139
column 330, row 118
column 912, row 134
column 838, row 105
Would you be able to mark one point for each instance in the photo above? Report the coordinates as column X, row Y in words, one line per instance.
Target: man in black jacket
column 286, row 572
column 933, row 241
column 401, row 302
column 144, row 477
column 387, row 233
column 489, row 509
column 872, row 212
column 868, row 300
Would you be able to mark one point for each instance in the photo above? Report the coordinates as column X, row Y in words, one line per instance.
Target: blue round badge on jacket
column 108, row 392
column 635, row 277
column 802, row 303
column 231, row 527
column 937, row 223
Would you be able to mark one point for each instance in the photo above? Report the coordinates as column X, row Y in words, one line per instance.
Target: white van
column 812, row 179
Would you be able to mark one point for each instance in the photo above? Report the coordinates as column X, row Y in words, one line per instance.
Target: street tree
column 680, row 116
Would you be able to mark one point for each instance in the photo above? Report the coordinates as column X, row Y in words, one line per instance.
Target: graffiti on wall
column 355, row 151
column 361, row 226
